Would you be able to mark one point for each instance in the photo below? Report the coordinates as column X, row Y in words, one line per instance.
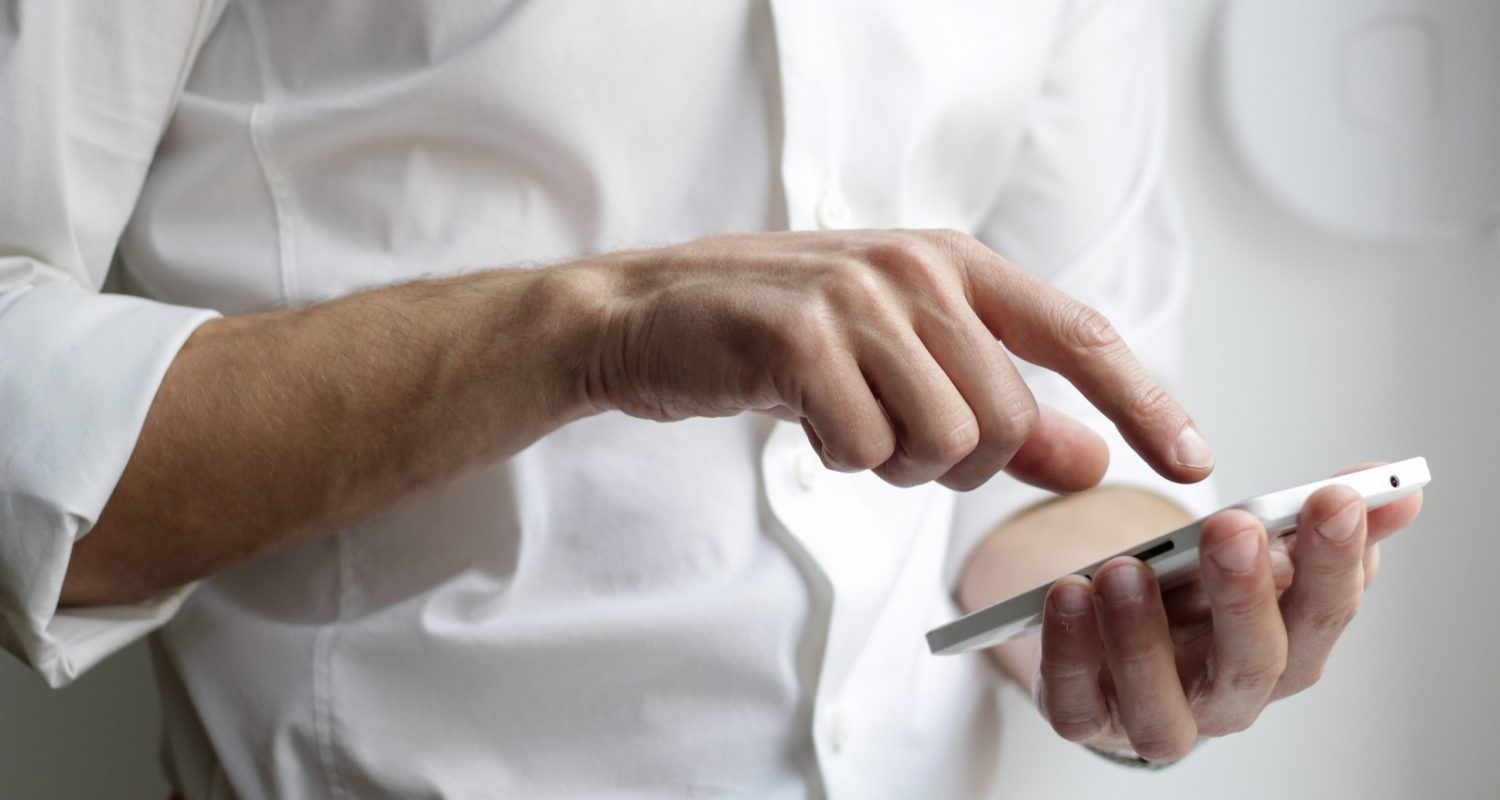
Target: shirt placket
column 810, row 163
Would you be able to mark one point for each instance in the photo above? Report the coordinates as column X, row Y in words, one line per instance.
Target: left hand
column 1125, row 668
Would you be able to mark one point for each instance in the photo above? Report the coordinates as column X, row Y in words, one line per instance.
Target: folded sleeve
column 1087, row 205
column 86, row 90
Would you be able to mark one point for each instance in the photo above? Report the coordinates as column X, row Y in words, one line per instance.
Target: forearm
column 1050, row 540
column 269, row 430
column 272, row 429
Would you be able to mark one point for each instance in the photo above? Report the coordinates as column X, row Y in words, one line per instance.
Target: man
column 435, row 539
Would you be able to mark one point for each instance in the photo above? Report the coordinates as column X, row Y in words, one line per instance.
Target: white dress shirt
column 626, row 608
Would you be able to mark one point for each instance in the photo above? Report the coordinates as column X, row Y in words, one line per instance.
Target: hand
column 1124, row 667
column 884, row 345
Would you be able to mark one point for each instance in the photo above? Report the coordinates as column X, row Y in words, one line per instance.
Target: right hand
column 883, row 344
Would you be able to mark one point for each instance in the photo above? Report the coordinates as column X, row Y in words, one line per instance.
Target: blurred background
column 1308, row 351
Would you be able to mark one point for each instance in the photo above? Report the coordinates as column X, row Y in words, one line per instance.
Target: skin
column 1128, row 669
column 273, row 429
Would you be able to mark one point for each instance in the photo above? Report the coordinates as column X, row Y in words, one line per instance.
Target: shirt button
column 805, row 470
column 833, row 212
column 839, row 731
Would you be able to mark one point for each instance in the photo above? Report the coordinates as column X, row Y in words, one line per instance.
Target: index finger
column 1045, row 326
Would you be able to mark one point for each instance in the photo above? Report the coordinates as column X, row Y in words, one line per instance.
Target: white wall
column 1310, row 353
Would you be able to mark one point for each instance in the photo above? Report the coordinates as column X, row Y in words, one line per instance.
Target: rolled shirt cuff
column 78, row 374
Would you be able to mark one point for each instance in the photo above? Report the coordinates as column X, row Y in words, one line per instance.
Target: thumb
column 1062, row 455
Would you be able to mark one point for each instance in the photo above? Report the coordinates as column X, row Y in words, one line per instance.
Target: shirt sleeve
column 1087, row 204
column 86, row 90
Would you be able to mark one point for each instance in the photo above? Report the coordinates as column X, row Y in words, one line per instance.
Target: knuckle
column 1164, row 745
column 952, row 237
column 1150, row 402
column 1086, row 329
column 1079, row 728
column 1003, row 428
column 1302, row 681
column 855, row 283
column 1135, row 662
column 1235, row 723
column 920, row 267
column 969, row 478
column 857, row 275
column 965, row 481
column 956, row 243
column 900, row 471
column 1332, row 621
column 1256, row 678
column 808, row 308
column 1056, row 670
column 1331, row 568
column 900, row 253
column 1015, row 421
column 867, row 453
column 954, row 443
column 1248, row 604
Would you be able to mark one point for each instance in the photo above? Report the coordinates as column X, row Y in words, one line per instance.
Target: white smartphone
column 1174, row 556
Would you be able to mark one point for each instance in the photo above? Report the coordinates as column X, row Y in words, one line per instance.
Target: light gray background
column 1307, row 353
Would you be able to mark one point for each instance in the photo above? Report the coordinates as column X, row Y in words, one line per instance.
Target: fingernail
column 1340, row 526
column 1192, row 450
column 1070, row 599
column 1238, row 552
column 1123, row 584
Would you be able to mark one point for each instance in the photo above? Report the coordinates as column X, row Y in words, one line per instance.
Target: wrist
column 606, row 301
column 581, row 310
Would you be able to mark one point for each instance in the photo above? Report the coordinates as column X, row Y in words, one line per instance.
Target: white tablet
column 1174, row 556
